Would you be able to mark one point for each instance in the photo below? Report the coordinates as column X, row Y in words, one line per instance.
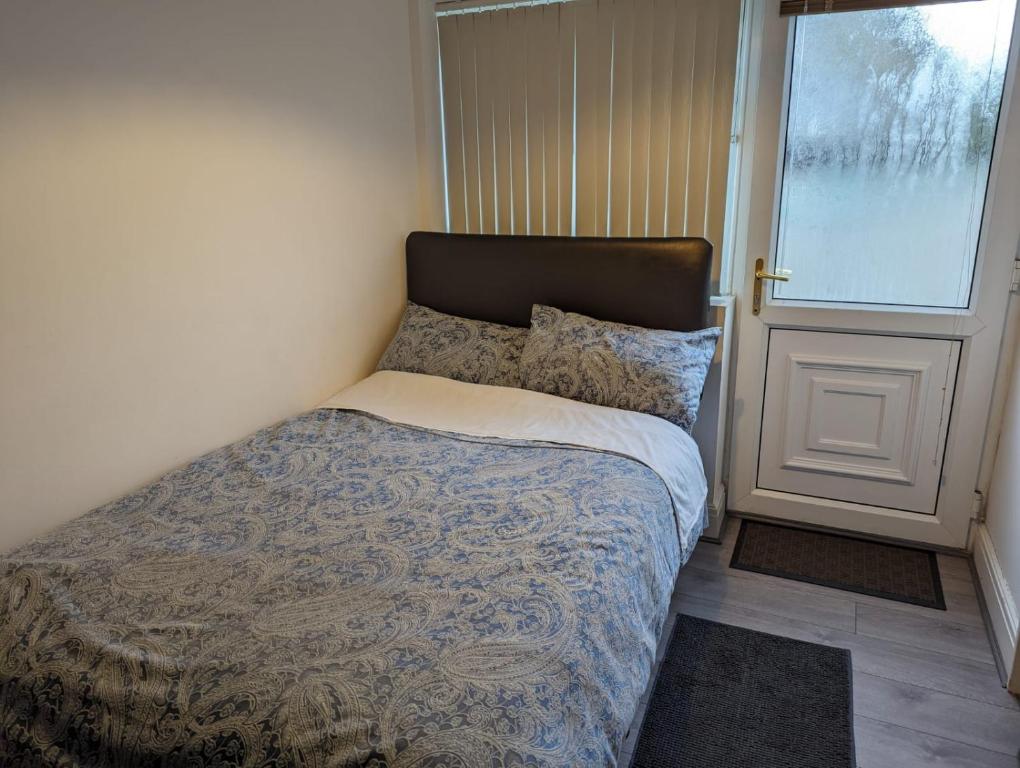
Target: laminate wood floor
column 926, row 691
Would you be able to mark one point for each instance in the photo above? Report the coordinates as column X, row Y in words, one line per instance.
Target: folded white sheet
column 432, row 402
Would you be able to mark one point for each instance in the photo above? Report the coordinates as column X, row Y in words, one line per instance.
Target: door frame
column 979, row 328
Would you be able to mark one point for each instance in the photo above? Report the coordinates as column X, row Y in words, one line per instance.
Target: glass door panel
column 891, row 120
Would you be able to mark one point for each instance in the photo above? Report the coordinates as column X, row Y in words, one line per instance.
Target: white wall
column 202, row 211
column 1003, row 513
column 997, row 545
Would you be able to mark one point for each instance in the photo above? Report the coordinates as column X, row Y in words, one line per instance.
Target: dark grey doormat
column 891, row 571
column 728, row 697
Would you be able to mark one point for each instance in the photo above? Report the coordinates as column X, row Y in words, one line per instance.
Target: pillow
column 455, row 347
column 622, row 366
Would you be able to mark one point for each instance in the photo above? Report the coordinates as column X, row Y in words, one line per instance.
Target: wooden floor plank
column 825, row 610
column 937, row 714
column 881, row 745
column 953, row 566
column 930, row 632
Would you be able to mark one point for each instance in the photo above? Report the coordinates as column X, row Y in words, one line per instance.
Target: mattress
column 419, row 573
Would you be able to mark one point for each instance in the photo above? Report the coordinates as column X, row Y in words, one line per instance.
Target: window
column 589, row 117
column 891, row 121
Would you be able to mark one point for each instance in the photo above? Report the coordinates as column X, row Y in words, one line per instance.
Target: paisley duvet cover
column 343, row 590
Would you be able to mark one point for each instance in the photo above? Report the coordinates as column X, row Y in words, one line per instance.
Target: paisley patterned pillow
column 622, row 366
column 456, row 348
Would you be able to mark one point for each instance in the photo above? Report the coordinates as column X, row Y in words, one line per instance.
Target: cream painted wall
column 1002, row 520
column 202, row 211
column 1003, row 513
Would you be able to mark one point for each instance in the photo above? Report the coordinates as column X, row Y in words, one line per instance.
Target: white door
column 879, row 174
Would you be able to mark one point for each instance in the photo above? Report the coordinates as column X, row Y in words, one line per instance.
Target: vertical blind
column 589, row 117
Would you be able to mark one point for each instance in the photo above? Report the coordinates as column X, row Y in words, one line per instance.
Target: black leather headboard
column 651, row 282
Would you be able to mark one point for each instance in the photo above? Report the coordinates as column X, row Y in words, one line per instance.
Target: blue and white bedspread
column 353, row 588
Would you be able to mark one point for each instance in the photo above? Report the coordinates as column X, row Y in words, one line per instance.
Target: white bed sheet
column 479, row 410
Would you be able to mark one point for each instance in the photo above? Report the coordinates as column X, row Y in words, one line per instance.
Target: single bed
column 421, row 572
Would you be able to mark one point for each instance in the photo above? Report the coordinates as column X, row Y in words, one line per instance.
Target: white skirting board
column 712, row 426
column 1000, row 602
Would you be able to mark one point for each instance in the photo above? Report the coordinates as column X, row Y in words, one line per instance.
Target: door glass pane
column 892, row 118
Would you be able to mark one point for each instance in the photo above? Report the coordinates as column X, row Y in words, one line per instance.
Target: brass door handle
column 759, row 275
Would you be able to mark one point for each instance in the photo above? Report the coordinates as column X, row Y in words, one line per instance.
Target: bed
column 420, row 572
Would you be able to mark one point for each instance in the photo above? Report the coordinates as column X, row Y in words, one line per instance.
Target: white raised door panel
column 857, row 417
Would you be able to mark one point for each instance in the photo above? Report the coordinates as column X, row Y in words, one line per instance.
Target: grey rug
column 728, row 697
